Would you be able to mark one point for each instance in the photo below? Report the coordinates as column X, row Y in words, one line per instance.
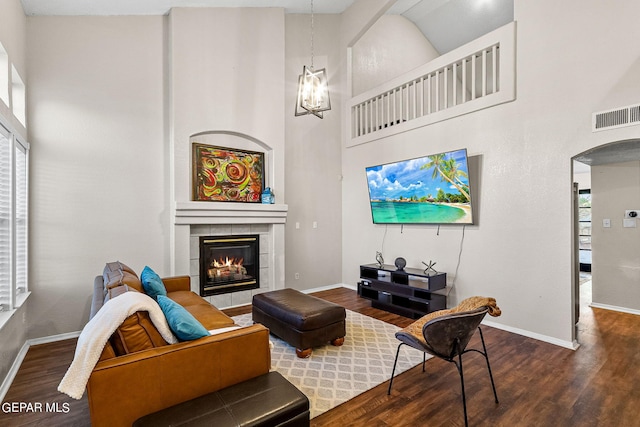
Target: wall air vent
column 620, row 117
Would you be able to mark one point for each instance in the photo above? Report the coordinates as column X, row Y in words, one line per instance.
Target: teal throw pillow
column 182, row 323
column 152, row 283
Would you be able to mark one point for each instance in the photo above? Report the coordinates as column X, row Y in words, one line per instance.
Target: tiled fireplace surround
column 195, row 219
column 231, row 298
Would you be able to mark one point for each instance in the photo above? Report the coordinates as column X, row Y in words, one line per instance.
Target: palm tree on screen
column 448, row 171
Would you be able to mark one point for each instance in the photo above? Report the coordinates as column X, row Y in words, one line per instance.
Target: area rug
column 333, row 375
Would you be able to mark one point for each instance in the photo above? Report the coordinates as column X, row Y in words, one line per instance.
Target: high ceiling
column 447, row 24
column 162, row 7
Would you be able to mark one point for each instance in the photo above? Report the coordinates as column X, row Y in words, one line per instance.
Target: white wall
column 226, row 73
column 391, row 47
column 615, row 250
column 313, row 160
column 98, row 159
column 583, row 179
column 520, row 249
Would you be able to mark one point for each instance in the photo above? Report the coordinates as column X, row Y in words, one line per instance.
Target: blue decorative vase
column 267, row 197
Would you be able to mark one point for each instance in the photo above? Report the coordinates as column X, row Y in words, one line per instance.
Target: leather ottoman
column 267, row 400
column 301, row 320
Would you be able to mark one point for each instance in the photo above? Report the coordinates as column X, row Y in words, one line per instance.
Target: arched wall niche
column 240, row 141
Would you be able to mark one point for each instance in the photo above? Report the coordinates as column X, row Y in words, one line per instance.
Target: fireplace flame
column 227, row 269
column 228, row 262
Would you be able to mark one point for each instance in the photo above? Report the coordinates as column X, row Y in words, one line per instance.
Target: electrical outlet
column 297, row 276
column 633, row 213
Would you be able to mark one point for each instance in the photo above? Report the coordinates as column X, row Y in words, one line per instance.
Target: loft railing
column 478, row 75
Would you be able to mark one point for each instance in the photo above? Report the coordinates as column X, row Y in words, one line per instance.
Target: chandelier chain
column 312, row 34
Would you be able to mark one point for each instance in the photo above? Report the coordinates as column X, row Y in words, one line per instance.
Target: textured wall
column 98, row 159
column 313, row 159
column 616, row 250
column 391, row 47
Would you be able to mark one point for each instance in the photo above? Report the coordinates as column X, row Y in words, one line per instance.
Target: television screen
column 426, row 190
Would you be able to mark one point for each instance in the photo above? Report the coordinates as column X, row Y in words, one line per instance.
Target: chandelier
column 313, row 90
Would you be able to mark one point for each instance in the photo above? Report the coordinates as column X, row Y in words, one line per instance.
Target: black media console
column 409, row 292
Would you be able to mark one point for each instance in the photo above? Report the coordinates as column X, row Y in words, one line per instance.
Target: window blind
column 21, row 219
column 5, row 219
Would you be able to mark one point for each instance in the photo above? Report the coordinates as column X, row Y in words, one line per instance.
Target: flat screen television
column 432, row 189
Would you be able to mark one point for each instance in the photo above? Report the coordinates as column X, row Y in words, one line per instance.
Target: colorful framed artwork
column 227, row 174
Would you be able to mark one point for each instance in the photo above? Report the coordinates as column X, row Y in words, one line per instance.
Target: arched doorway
column 614, row 185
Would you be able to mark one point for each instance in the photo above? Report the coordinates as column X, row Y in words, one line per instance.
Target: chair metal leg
column 394, row 368
column 486, row 356
column 464, row 397
column 424, row 360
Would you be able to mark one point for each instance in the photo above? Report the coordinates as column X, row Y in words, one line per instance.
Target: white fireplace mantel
column 242, row 218
column 229, row 213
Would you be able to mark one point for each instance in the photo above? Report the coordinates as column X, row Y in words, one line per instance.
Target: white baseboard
column 8, row 380
column 15, row 367
column 614, row 308
column 326, row 288
column 54, row 338
column 551, row 340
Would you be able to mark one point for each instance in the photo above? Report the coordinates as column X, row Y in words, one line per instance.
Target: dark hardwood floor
column 538, row 384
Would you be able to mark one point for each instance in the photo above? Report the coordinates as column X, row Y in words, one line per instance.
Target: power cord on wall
column 453, row 282
column 380, row 255
column 384, row 236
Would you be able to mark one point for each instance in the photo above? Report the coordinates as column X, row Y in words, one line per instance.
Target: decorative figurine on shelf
column 400, row 263
column 379, row 259
column 429, row 267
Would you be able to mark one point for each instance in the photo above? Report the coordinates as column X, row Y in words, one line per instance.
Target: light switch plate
column 606, row 223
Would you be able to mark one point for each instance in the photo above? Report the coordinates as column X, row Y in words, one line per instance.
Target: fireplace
column 229, row 264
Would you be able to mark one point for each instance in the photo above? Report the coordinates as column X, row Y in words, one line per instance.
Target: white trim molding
column 615, row 308
column 571, row 345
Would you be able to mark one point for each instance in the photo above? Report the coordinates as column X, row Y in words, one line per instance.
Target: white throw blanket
column 96, row 333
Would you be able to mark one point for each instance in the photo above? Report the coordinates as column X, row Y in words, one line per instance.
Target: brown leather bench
column 266, row 400
column 301, row 320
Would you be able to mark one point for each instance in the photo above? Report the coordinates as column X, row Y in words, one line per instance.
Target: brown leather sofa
column 139, row 373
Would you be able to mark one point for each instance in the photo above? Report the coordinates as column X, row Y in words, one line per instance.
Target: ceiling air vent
column 620, row 117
